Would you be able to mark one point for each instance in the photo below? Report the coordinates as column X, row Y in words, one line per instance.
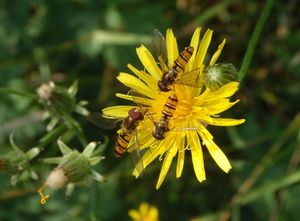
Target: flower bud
column 73, row 167
column 16, row 162
column 217, row 75
column 13, row 162
column 57, row 100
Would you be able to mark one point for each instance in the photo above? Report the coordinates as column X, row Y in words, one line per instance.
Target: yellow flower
column 145, row 213
column 197, row 108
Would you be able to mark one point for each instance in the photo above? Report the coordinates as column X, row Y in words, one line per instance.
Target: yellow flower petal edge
column 217, row 53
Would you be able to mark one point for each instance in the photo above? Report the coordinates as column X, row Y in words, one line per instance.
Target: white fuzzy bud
column 57, row 179
column 45, row 90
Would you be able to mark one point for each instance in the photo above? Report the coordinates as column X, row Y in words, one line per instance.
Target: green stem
column 269, row 188
column 17, row 92
column 52, row 135
column 254, row 38
column 73, row 124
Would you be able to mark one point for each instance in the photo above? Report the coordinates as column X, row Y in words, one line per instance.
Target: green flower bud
column 13, row 162
column 217, row 75
column 60, row 102
column 16, row 162
column 73, row 167
column 57, row 100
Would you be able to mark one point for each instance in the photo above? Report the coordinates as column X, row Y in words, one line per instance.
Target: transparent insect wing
column 190, row 78
column 103, row 122
column 135, row 152
column 159, row 45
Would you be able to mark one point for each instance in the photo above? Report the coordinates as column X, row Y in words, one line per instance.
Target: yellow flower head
column 197, row 108
column 145, row 213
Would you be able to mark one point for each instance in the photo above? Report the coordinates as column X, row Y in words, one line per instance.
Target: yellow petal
column 153, row 213
column 166, row 164
column 217, row 53
column 134, row 83
column 172, row 48
column 180, row 160
column 202, row 50
column 149, row 62
column 195, row 43
column 117, row 111
column 197, row 155
column 216, row 153
column 147, row 78
column 134, row 215
column 135, row 99
column 219, row 106
column 225, row 91
column 144, row 207
column 225, row 121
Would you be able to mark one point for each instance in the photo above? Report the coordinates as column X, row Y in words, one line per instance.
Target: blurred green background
column 92, row 41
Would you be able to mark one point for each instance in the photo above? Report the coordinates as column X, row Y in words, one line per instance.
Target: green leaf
column 88, row 151
column 97, row 176
column 12, row 143
column 81, row 110
column 52, row 160
column 95, row 160
column 73, row 89
column 33, row 152
column 63, row 147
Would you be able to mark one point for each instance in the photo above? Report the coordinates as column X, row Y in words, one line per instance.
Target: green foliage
column 91, row 41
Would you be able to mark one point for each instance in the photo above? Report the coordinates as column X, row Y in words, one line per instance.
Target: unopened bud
column 73, row 167
column 45, row 91
column 217, row 75
column 13, row 162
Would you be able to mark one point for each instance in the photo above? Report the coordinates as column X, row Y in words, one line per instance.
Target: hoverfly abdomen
column 170, row 76
column 183, row 59
column 122, row 144
column 162, row 126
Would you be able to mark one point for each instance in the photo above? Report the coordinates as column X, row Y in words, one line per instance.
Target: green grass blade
column 254, row 39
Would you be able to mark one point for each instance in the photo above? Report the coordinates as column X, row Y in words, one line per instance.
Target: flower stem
column 254, row 38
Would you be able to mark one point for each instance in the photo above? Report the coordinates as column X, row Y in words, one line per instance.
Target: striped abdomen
column 170, row 106
column 169, row 77
column 162, row 126
column 182, row 60
column 122, row 143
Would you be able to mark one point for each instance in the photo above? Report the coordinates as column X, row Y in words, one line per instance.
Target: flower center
column 183, row 109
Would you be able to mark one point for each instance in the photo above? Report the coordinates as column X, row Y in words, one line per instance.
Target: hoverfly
column 173, row 74
column 127, row 132
column 162, row 126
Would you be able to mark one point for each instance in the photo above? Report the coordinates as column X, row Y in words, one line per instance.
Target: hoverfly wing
column 101, row 121
column 136, row 155
column 159, row 44
column 190, row 78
